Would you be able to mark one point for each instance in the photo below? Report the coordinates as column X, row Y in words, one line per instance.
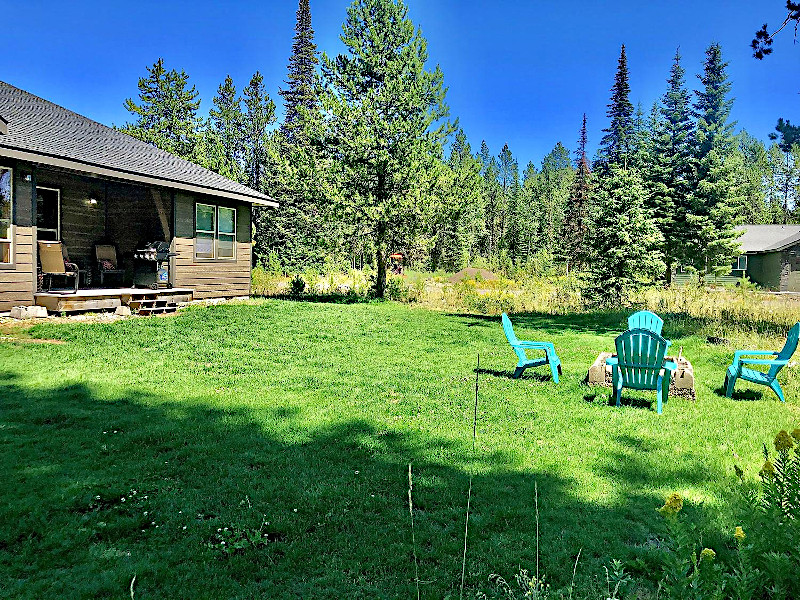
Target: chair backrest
column 106, row 252
column 788, row 349
column 509, row 330
column 52, row 258
column 644, row 319
column 640, row 353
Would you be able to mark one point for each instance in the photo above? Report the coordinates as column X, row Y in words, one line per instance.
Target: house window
column 6, row 212
column 741, row 263
column 215, row 232
column 48, row 214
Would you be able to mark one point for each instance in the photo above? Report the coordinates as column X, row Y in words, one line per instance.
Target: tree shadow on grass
column 744, row 395
column 99, row 488
column 528, row 374
column 610, row 322
column 605, row 396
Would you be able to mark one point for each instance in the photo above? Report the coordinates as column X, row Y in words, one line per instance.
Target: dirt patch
column 472, row 273
column 27, row 340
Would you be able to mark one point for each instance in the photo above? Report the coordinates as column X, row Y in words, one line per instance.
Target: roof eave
column 102, row 171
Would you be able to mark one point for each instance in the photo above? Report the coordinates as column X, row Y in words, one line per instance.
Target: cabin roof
column 756, row 239
column 41, row 132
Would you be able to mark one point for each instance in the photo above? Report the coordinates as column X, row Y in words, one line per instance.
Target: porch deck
column 110, row 298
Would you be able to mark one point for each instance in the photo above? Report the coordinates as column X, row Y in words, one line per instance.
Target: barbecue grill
column 151, row 265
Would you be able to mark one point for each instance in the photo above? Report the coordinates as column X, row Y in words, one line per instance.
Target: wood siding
column 122, row 214
column 17, row 282
column 211, row 278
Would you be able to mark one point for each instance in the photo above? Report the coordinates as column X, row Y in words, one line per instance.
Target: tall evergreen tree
column 624, row 240
column 387, row 118
column 573, row 233
column 671, row 170
column 615, row 146
column 167, row 113
column 554, row 184
column 713, row 107
column 492, row 199
column 259, row 115
column 300, row 96
column 227, row 122
column 711, row 219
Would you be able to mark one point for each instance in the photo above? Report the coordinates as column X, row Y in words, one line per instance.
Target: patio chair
column 519, row 347
column 737, row 370
column 51, row 257
column 640, row 365
column 644, row 319
column 107, row 264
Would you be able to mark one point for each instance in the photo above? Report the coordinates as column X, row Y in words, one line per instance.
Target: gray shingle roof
column 36, row 126
column 768, row 238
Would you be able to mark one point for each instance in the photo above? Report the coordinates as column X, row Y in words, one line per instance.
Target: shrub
column 297, row 286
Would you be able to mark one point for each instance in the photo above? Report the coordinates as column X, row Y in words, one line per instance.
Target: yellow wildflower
column 767, row 470
column 707, row 555
column 783, row 441
column 672, row 505
column 739, row 533
column 796, row 435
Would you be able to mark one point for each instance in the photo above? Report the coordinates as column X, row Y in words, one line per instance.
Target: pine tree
column 508, row 180
column 167, row 114
column 528, row 213
column 555, row 182
column 671, row 170
column 228, row 123
column 711, row 219
column 624, row 240
column 615, row 146
column 259, row 115
column 492, row 199
column 300, row 96
column 387, row 119
column 573, row 233
column 713, row 107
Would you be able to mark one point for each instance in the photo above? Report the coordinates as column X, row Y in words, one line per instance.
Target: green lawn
column 285, row 430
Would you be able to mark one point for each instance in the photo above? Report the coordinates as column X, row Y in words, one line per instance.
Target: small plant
column 297, row 286
column 396, row 289
column 236, row 540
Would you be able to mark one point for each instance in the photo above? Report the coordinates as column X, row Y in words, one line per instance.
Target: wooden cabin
column 65, row 178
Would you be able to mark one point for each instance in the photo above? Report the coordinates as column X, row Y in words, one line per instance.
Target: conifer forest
column 369, row 161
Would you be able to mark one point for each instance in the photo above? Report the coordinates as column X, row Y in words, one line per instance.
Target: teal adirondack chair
column 644, row 319
column 737, row 370
column 519, row 346
column 640, row 365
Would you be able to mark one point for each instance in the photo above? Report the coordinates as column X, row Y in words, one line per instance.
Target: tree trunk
column 380, row 256
column 668, row 274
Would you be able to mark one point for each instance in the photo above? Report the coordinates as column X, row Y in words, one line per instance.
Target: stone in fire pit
column 681, row 384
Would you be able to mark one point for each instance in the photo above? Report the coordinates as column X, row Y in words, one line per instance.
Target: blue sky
column 518, row 72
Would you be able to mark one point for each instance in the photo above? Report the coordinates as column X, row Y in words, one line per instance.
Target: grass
column 130, row 448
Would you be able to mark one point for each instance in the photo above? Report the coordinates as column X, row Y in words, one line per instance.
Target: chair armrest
column 670, row 366
column 533, row 345
column 762, row 361
column 612, row 361
column 740, row 353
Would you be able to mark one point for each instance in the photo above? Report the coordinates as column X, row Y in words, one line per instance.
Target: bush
column 297, row 286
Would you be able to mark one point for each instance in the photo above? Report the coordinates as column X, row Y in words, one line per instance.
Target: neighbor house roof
column 39, row 131
column 768, row 238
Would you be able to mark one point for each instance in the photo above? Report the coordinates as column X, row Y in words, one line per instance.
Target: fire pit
column 681, row 384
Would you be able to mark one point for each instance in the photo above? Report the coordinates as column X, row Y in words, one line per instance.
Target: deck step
column 159, row 308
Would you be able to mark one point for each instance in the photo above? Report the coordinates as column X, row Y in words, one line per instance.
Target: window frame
column 216, row 233
column 58, row 213
column 10, row 239
column 739, row 266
